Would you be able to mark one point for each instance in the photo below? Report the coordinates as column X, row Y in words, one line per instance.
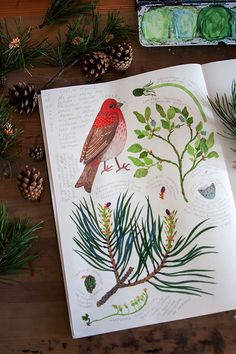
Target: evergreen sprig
column 89, row 36
column 161, row 256
column 225, row 108
column 16, row 239
column 60, row 10
column 8, row 132
column 17, row 48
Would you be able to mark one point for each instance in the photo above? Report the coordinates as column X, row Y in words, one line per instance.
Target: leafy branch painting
column 106, row 240
column 132, row 308
column 164, row 127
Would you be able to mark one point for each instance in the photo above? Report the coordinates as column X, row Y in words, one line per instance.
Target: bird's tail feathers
column 87, row 177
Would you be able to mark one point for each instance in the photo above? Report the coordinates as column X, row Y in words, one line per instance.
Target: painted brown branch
column 113, row 262
column 149, row 276
column 115, row 288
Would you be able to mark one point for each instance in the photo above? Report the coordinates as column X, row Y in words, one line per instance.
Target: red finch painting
column 105, row 141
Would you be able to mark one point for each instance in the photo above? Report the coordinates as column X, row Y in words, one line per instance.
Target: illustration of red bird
column 105, row 141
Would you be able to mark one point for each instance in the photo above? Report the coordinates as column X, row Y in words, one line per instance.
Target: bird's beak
column 119, row 104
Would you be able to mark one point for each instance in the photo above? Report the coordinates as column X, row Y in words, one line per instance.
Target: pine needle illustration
column 107, row 238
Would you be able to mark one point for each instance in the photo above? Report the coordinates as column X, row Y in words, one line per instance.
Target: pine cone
column 23, row 97
column 30, row 183
column 36, row 152
column 122, row 56
column 95, row 64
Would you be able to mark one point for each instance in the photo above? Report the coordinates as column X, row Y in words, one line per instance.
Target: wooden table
column 33, row 312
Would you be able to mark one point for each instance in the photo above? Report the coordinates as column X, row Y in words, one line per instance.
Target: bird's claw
column 107, row 169
column 125, row 167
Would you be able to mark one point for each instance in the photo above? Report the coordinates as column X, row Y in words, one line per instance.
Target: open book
column 142, row 191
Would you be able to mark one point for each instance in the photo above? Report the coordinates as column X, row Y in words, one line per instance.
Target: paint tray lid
column 180, row 2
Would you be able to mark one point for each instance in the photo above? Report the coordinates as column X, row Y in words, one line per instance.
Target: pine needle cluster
column 16, row 239
column 17, row 50
column 225, row 108
column 60, row 10
column 8, row 132
column 85, row 35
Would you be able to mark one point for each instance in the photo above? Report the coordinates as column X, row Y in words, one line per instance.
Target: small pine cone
column 90, row 283
column 122, row 56
column 95, row 64
column 36, row 152
column 3, row 80
column 23, row 97
column 30, row 183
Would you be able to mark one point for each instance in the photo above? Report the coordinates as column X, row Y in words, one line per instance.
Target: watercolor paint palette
column 182, row 23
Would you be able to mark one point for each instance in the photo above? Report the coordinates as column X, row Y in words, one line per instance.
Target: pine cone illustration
column 23, row 97
column 30, row 183
column 89, row 283
column 95, row 64
column 36, row 152
column 122, row 56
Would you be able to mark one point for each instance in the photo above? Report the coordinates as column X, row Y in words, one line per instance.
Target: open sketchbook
column 142, row 190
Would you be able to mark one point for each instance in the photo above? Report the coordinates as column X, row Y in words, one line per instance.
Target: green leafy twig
column 161, row 257
column 135, row 306
column 60, row 10
column 16, row 239
column 197, row 147
column 149, row 89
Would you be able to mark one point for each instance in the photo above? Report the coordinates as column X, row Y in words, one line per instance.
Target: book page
column 219, row 76
column 142, row 200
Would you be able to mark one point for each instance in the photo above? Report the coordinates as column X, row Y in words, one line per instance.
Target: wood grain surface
column 33, row 312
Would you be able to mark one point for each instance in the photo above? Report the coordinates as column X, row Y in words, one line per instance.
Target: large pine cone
column 122, row 56
column 23, row 97
column 95, row 64
column 30, row 183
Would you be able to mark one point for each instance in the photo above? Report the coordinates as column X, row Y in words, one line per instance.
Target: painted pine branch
column 106, row 240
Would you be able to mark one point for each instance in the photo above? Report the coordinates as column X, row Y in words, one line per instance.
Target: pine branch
column 16, row 239
column 84, row 36
column 225, row 108
column 107, row 242
column 17, row 49
column 60, row 10
column 8, row 132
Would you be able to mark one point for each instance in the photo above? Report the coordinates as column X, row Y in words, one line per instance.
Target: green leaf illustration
column 159, row 167
column 185, row 112
column 197, row 143
column 135, row 148
column 203, row 146
column 212, row 154
column 136, row 161
column 147, row 113
column 177, row 110
column 165, row 124
column 138, row 132
column 160, row 110
column 190, row 120
column 141, row 172
column 210, row 141
column 148, row 161
column 143, row 154
column 171, row 113
column 147, row 127
column 139, row 116
column 190, row 150
column 199, row 127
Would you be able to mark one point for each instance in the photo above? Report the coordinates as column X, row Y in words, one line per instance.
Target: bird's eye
column 111, row 105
